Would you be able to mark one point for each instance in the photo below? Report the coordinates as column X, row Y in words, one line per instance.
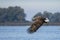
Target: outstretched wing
column 34, row 27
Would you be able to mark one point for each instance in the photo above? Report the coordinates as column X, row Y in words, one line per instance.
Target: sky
column 32, row 7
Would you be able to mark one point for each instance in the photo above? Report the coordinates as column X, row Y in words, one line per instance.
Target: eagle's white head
column 46, row 20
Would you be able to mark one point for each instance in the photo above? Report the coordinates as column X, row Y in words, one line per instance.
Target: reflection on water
column 20, row 33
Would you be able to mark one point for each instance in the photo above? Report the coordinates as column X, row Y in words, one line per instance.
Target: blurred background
column 21, row 12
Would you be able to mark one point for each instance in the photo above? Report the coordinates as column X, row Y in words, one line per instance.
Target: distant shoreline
column 26, row 24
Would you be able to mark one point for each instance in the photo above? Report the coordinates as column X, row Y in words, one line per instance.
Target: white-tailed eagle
column 37, row 23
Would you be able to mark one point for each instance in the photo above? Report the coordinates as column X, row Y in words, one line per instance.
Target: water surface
column 20, row 33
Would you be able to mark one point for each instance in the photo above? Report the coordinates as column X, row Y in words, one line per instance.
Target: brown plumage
column 37, row 22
